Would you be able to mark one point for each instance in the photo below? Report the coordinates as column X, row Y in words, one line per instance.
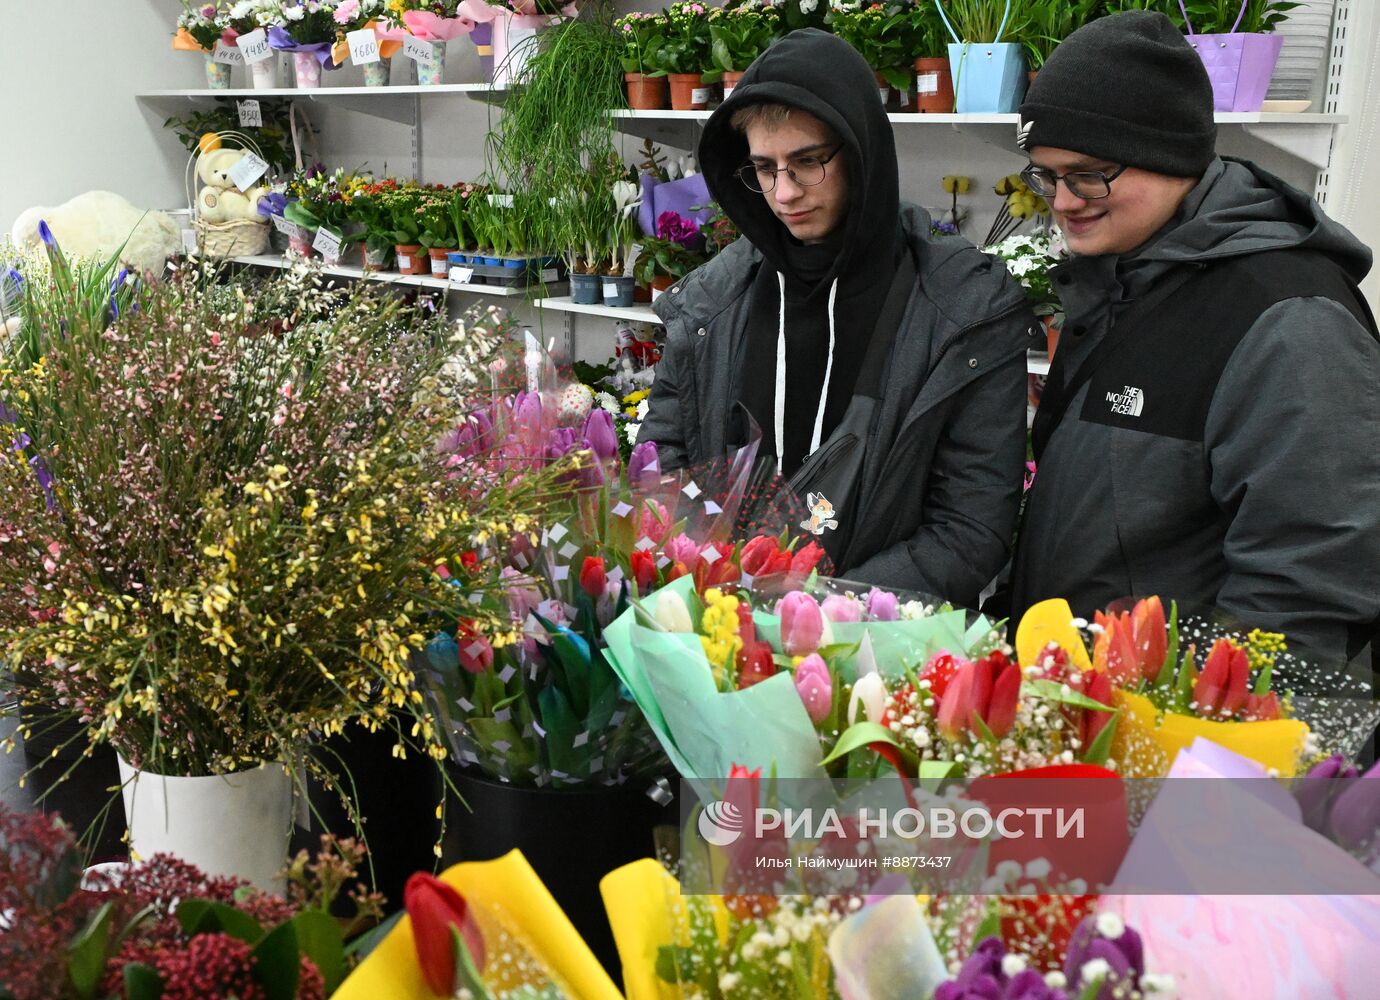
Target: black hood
column 823, row 75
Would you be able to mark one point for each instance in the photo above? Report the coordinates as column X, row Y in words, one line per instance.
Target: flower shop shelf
column 394, row 278
column 1305, row 135
column 398, row 104
column 633, row 314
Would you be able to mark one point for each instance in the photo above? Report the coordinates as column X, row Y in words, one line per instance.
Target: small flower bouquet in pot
column 308, row 31
column 882, row 35
column 675, row 251
column 200, row 27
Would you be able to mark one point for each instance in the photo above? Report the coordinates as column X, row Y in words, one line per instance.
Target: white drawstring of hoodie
column 780, row 403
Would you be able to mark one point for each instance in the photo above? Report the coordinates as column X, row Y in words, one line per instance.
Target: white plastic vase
column 264, row 74
column 232, row 824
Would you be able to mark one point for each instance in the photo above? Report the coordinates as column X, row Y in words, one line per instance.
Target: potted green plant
column 684, row 56
column 405, row 224
column 438, row 236
column 881, row 32
column 643, row 34
column 1242, row 47
column 369, row 210
column 738, row 35
column 673, row 253
column 989, row 74
column 618, row 282
column 928, row 43
column 1048, row 23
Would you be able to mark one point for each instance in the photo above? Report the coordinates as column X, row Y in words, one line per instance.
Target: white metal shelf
column 395, row 278
column 634, row 314
column 437, row 90
column 1305, row 135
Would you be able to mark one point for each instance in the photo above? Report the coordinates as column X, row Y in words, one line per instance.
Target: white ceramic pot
column 232, row 824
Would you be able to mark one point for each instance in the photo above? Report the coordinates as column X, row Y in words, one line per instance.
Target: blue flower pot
column 584, row 289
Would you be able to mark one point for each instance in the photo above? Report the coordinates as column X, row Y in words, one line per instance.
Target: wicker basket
column 241, row 238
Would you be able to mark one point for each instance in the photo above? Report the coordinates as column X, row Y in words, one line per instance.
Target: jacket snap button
column 701, row 332
column 972, row 362
column 675, row 290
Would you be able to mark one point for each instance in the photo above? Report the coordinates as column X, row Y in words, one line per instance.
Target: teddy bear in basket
column 228, row 219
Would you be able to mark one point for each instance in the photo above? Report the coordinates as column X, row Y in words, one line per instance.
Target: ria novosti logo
column 721, row 823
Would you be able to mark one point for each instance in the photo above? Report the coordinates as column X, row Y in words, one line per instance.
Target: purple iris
column 46, row 234
column 17, row 278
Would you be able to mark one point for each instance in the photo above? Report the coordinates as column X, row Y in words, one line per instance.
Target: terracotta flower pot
column 1030, row 76
column 410, row 259
column 646, row 93
column 934, row 86
column 731, row 78
column 660, row 283
column 440, row 261
column 689, row 92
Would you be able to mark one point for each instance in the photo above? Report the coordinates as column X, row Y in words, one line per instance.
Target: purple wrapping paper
column 672, row 196
column 279, row 39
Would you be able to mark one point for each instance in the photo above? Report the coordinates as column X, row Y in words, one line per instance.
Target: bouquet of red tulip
column 1167, row 693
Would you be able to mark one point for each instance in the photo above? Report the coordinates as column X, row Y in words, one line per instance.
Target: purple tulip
column 882, row 606
column 560, row 441
column 1319, row 788
column 527, row 415
column 599, row 435
column 644, row 465
column 815, row 687
column 1356, row 815
column 802, row 623
column 840, row 608
column 980, row 977
column 1124, row 955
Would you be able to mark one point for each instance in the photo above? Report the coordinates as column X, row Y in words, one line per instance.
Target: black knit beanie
column 1129, row 89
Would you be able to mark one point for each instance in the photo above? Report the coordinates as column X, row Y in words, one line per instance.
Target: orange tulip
column 1222, row 688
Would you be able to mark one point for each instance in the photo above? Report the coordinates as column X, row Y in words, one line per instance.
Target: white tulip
column 869, row 691
column 671, row 612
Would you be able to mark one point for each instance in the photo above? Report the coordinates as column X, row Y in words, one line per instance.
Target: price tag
column 634, row 252
column 885, row 92
column 610, row 290
column 927, row 83
column 701, row 95
column 247, row 171
column 364, row 46
column 728, row 91
column 462, row 275
column 254, row 46
column 289, row 229
column 549, row 274
column 251, row 114
column 227, row 54
column 404, row 262
column 327, row 244
column 189, row 241
column 501, row 200
column 417, row 50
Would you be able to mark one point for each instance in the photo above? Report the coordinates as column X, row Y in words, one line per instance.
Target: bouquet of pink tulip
column 540, row 704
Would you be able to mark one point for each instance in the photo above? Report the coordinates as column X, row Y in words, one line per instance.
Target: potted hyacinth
column 199, row 29
column 308, row 31
column 195, row 566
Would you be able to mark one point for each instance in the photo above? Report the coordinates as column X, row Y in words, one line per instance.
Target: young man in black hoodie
column 1210, row 429
column 885, row 367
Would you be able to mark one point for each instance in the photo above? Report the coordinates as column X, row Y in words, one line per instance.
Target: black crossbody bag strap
column 1059, row 392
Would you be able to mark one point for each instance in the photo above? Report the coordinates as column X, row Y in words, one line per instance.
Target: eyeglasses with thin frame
column 1090, row 185
column 807, row 171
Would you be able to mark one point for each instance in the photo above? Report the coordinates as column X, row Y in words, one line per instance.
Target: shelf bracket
column 1310, row 143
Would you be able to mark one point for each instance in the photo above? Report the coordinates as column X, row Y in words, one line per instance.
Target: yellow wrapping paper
column 340, row 51
column 530, row 915
column 641, row 899
column 1145, row 749
column 1046, row 622
column 184, row 42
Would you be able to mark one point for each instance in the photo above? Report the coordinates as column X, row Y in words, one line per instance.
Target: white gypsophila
column 1160, row 984
column 1013, row 965
column 808, row 6
column 1094, row 970
column 1110, row 926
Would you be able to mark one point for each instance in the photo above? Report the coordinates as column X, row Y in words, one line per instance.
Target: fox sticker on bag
column 821, row 514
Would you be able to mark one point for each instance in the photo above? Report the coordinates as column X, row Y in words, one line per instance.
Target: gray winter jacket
column 1274, row 516
column 940, row 484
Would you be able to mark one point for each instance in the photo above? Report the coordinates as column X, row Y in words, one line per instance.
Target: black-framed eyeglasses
column 807, row 171
column 1090, row 185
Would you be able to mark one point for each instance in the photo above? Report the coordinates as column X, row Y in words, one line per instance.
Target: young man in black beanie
column 884, row 367
column 1211, row 428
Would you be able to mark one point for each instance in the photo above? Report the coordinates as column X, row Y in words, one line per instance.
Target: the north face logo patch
column 1128, row 402
column 1023, row 133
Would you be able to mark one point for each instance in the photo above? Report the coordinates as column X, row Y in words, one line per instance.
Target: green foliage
column 882, row 34
column 643, row 35
column 738, row 35
column 1210, row 17
column 274, row 138
column 979, row 20
column 1047, row 24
